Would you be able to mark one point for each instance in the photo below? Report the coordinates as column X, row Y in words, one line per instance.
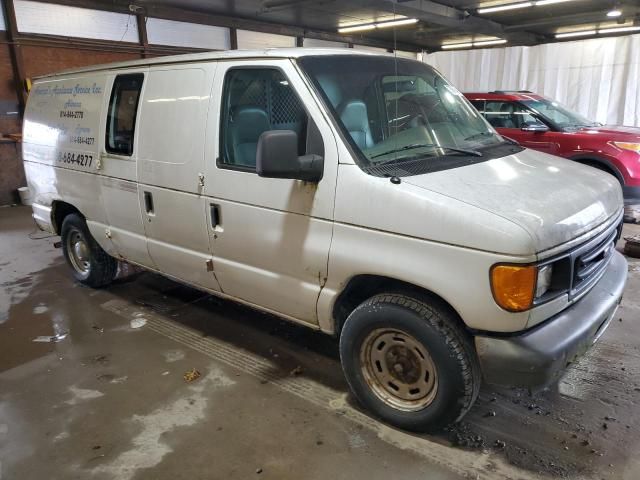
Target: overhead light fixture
column 479, row 43
column 601, row 31
column 483, row 43
column 542, row 3
column 582, row 33
column 514, row 6
column 374, row 25
column 502, row 8
column 396, row 23
column 452, row 46
column 357, row 28
column 615, row 13
column 619, row 30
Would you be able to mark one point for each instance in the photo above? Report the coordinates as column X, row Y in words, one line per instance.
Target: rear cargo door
column 118, row 165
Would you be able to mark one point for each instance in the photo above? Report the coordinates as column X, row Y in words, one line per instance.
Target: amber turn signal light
column 514, row 286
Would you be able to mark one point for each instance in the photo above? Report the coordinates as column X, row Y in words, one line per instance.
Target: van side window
column 121, row 117
column 256, row 100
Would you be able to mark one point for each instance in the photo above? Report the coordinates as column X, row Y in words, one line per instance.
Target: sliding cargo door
column 171, row 171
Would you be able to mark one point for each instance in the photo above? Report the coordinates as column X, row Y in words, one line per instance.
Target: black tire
column 97, row 268
column 432, row 325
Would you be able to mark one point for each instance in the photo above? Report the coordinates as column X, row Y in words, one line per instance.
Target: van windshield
column 402, row 113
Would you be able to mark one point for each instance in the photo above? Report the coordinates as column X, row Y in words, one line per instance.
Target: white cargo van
column 354, row 193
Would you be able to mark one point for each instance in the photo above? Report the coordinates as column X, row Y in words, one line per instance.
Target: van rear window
column 121, row 119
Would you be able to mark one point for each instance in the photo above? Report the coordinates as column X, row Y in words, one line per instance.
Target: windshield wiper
column 473, row 153
column 478, row 135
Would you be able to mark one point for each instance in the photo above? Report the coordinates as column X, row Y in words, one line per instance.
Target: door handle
column 148, row 203
column 215, row 216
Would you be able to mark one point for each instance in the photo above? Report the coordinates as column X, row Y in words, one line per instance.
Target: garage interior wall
column 597, row 77
column 54, row 37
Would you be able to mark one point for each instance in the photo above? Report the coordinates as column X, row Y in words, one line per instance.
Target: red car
column 542, row 124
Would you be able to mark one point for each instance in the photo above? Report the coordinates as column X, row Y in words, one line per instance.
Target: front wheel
column 408, row 362
column 91, row 265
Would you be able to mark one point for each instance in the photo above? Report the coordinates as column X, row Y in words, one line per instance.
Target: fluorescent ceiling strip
column 619, row 30
column 582, row 33
column 602, row 31
column 372, row 26
column 489, row 42
column 357, row 28
column 542, row 3
column 480, row 43
column 395, row 23
column 502, row 8
column 451, row 46
column 514, row 6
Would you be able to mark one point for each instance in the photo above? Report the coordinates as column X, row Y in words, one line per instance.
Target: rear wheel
column 408, row 362
column 91, row 265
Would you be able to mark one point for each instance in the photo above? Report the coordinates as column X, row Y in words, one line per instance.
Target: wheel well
column 60, row 210
column 600, row 165
column 363, row 287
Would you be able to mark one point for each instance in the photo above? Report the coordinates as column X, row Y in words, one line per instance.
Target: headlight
column 515, row 287
column 544, row 280
column 633, row 147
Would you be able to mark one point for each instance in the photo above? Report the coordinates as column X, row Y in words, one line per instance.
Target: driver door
column 270, row 237
column 510, row 117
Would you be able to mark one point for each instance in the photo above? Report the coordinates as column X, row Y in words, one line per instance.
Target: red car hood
column 614, row 131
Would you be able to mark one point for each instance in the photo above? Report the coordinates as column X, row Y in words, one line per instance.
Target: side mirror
column 277, row 157
column 535, row 128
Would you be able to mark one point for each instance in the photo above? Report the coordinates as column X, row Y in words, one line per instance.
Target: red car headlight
column 633, row 147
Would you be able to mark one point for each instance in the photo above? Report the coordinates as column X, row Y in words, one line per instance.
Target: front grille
column 590, row 260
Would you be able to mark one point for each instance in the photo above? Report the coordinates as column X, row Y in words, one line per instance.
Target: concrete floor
column 109, row 401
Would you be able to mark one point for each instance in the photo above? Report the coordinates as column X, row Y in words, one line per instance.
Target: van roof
column 216, row 55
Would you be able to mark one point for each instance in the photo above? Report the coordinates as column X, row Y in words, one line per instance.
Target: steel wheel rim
column 79, row 253
column 398, row 369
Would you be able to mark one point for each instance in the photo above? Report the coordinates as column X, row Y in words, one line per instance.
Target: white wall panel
column 315, row 43
column 370, row 49
column 3, row 23
column 403, row 54
column 248, row 40
column 597, row 77
column 51, row 19
column 182, row 34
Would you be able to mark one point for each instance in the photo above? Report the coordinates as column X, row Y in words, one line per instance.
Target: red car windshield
column 558, row 115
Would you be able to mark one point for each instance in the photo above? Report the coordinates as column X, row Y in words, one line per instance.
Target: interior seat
column 353, row 113
column 507, row 110
column 356, row 120
column 249, row 122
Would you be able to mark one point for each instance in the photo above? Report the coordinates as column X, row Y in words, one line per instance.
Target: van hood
column 553, row 199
